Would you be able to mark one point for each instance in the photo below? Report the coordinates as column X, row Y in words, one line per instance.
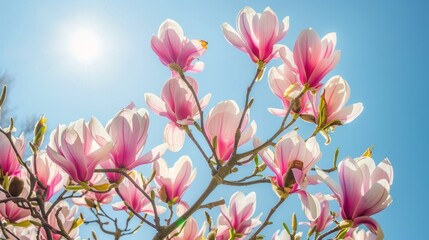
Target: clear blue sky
column 384, row 59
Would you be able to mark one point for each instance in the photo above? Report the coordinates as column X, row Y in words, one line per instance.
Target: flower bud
column 39, row 131
column 16, row 186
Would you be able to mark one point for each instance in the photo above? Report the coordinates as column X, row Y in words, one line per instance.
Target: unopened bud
column 294, row 223
column 212, row 235
column 16, row 186
column 90, row 203
column 39, row 132
column 311, row 231
column 296, row 105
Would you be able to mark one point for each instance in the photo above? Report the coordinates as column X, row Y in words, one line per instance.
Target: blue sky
column 384, row 58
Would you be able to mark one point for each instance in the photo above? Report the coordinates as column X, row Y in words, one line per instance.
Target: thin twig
column 267, row 220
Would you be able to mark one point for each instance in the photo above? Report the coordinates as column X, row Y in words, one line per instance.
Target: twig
column 267, row 220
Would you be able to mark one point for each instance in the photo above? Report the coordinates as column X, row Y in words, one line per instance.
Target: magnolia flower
column 10, row 210
column 330, row 112
column 128, row 130
column 325, row 217
column 9, row 163
column 68, row 221
column 135, row 198
column 257, row 33
column 364, row 190
column 75, row 150
column 90, row 199
column 283, row 235
column 237, row 217
column 177, row 51
column 173, row 182
column 312, row 58
column 49, row 174
column 291, row 161
column 189, row 231
column 361, row 235
column 283, row 82
column 221, row 125
column 177, row 104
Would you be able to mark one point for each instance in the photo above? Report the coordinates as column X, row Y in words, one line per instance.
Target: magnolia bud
column 16, row 186
column 39, row 132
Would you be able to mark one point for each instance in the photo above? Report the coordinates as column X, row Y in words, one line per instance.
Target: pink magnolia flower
column 90, row 199
column 335, row 94
column 178, row 105
column 313, row 57
column 10, row 210
column 128, row 130
column 361, row 235
column 257, row 33
column 238, row 216
column 134, row 198
column 75, row 150
column 50, row 175
column 189, row 231
column 222, row 123
column 173, row 48
column 325, row 217
column 8, row 161
column 283, row 82
column 173, row 182
column 327, row 111
column 291, row 161
column 364, row 190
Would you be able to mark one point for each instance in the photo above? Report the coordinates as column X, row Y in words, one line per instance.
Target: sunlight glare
column 85, row 45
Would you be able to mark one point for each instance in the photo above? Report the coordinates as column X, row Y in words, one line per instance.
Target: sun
column 85, row 45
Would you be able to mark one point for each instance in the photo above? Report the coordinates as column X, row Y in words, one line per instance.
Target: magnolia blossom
column 335, row 94
column 174, row 181
column 173, row 48
column 135, row 198
column 75, row 150
column 291, row 161
column 361, row 235
column 10, row 210
column 237, row 217
column 325, row 217
column 189, row 231
column 283, row 235
column 283, row 82
column 177, row 104
column 312, row 57
column 67, row 219
column 49, row 174
column 90, row 199
column 257, row 33
column 128, row 130
column 9, row 163
column 364, row 190
column 221, row 125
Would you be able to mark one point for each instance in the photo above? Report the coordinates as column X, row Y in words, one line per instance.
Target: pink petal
column 174, row 136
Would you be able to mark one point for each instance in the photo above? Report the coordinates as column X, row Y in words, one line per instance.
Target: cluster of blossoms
column 91, row 165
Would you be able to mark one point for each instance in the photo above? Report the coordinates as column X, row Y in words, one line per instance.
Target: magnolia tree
column 87, row 165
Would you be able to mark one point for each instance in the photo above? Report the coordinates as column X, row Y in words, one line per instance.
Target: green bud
column 39, row 131
column 294, row 223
